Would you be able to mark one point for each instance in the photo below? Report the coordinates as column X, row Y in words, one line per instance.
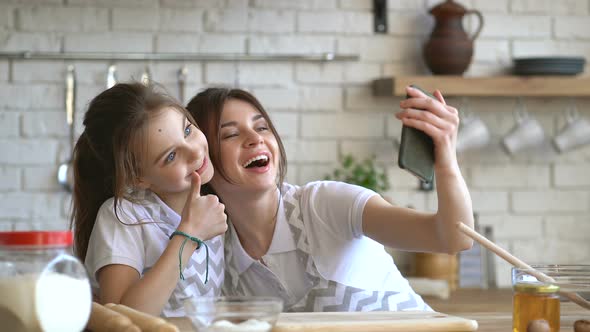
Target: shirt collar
column 161, row 210
column 282, row 241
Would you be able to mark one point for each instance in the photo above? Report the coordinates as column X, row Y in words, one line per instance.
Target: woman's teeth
column 252, row 160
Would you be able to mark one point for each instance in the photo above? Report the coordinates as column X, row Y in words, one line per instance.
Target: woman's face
column 175, row 150
column 249, row 150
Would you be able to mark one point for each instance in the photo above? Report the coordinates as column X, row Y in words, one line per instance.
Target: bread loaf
column 146, row 322
column 103, row 319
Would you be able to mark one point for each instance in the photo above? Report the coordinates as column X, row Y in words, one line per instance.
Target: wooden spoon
column 514, row 261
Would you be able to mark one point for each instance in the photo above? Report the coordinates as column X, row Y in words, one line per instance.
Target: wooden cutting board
column 380, row 321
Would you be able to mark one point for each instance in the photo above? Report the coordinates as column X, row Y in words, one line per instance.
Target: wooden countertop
column 492, row 309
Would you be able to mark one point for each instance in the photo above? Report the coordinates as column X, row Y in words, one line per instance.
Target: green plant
column 363, row 173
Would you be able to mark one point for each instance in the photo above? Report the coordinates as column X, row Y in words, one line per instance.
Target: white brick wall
column 180, row 20
column 6, row 16
column 9, row 122
column 72, row 19
column 538, row 203
column 271, row 21
column 569, row 7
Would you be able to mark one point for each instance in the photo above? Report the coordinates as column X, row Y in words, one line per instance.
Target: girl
column 138, row 216
column 320, row 246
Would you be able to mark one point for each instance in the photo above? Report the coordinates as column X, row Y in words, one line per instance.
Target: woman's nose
column 254, row 138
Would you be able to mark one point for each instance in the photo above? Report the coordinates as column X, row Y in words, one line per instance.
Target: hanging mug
column 527, row 132
column 574, row 134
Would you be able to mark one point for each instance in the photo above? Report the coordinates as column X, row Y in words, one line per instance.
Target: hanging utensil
column 111, row 76
column 145, row 76
column 65, row 175
column 182, row 73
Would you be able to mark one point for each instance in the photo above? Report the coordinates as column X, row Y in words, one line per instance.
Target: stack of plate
column 549, row 66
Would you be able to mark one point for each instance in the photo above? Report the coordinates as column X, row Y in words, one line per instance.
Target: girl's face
column 249, row 150
column 175, row 150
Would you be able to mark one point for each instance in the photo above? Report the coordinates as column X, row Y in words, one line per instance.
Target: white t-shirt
column 122, row 239
column 332, row 214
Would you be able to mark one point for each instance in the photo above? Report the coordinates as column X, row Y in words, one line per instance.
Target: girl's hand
column 437, row 120
column 202, row 216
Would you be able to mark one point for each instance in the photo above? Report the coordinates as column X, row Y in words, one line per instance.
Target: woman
column 320, row 246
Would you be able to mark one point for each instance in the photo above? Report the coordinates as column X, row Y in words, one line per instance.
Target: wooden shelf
column 510, row 86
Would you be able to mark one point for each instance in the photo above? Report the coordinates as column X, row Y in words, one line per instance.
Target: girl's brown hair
column 107, row 156
column 206, row 108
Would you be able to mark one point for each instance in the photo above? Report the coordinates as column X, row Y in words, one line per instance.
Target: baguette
column 103, row 319
column 146, row 322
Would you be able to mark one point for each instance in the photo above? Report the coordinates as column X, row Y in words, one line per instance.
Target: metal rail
column 98, row 56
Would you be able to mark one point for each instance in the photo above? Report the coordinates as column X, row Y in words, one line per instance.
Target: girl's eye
column 263, row 128
column 170, row 157
column 188, row 130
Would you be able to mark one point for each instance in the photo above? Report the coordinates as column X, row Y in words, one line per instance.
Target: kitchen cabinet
column 495, row 86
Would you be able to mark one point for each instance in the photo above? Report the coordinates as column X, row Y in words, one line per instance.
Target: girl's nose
column 193, row 154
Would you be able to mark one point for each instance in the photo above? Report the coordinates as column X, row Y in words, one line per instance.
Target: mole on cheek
column 160, row 130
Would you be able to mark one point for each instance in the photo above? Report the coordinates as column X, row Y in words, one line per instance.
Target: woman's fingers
column 425, row 116
column 426, row 127
column 439, row 96
column 419, row 100
column 431, row 105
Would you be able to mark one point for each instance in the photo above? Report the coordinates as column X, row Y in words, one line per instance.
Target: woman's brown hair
column 107, row 156
column 206, row 108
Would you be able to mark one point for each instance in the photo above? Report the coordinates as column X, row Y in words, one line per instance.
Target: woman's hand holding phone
column 440, row 122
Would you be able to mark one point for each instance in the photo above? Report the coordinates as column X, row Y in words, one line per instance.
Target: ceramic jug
column 450, row 48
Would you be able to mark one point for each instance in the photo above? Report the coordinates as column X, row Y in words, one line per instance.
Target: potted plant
column 363, row 173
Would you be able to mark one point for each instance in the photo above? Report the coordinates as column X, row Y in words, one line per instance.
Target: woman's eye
column 230, row 135
column 263, row 128
column 188, row 130
column 170, row 157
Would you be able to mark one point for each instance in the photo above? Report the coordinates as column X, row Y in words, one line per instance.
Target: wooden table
column 492, row 309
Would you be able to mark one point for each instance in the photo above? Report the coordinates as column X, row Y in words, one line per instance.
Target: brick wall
column 538, row 203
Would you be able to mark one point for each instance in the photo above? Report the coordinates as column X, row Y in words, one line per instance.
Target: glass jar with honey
column 533, row 300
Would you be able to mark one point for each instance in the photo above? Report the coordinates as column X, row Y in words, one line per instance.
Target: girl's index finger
column 195, row 186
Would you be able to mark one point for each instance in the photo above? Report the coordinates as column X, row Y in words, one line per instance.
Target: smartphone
column 416, row 151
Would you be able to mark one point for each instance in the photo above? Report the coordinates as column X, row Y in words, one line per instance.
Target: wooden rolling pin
column 146, row 322
column 515, row 261
column 106, row 320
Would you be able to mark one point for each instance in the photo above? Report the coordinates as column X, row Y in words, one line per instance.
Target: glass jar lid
column 535, row 288
column 36, row 239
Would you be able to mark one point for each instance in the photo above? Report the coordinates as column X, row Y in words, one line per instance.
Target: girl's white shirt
column 140, row 246
column 332, row 214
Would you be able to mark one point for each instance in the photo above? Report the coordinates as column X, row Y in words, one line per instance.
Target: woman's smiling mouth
column 261, row 160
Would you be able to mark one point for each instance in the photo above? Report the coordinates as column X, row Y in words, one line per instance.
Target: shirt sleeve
column 338, row 206
column 115, row 239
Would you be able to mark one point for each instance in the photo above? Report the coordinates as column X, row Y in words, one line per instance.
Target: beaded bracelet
column 199, row 242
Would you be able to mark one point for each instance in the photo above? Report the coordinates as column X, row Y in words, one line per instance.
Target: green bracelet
column 199, row 242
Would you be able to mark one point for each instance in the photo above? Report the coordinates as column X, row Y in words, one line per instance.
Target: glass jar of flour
column 42, row 286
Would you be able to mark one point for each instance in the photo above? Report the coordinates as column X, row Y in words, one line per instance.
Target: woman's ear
column 141, row 183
